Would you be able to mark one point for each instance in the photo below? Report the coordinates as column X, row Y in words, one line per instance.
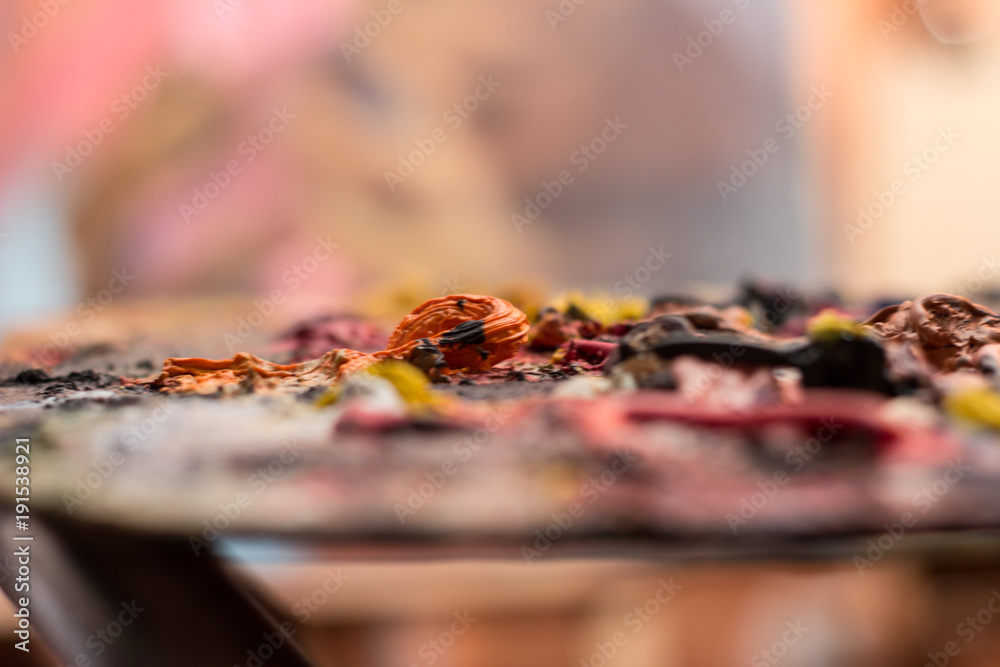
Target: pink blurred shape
column 62, row 80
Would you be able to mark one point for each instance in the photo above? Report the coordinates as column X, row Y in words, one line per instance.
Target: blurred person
column 497, row 103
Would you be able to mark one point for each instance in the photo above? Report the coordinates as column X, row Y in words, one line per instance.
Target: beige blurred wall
column 898, row 90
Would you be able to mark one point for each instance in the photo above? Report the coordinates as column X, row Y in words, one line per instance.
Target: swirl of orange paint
column 472, row 332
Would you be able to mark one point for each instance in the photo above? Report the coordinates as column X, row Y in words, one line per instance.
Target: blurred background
column 369, row 154
column 206, row 146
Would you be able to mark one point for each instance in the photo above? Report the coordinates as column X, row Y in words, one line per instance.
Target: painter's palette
column 639, row 431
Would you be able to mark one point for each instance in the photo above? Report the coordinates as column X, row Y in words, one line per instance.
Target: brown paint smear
column 946, row 331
